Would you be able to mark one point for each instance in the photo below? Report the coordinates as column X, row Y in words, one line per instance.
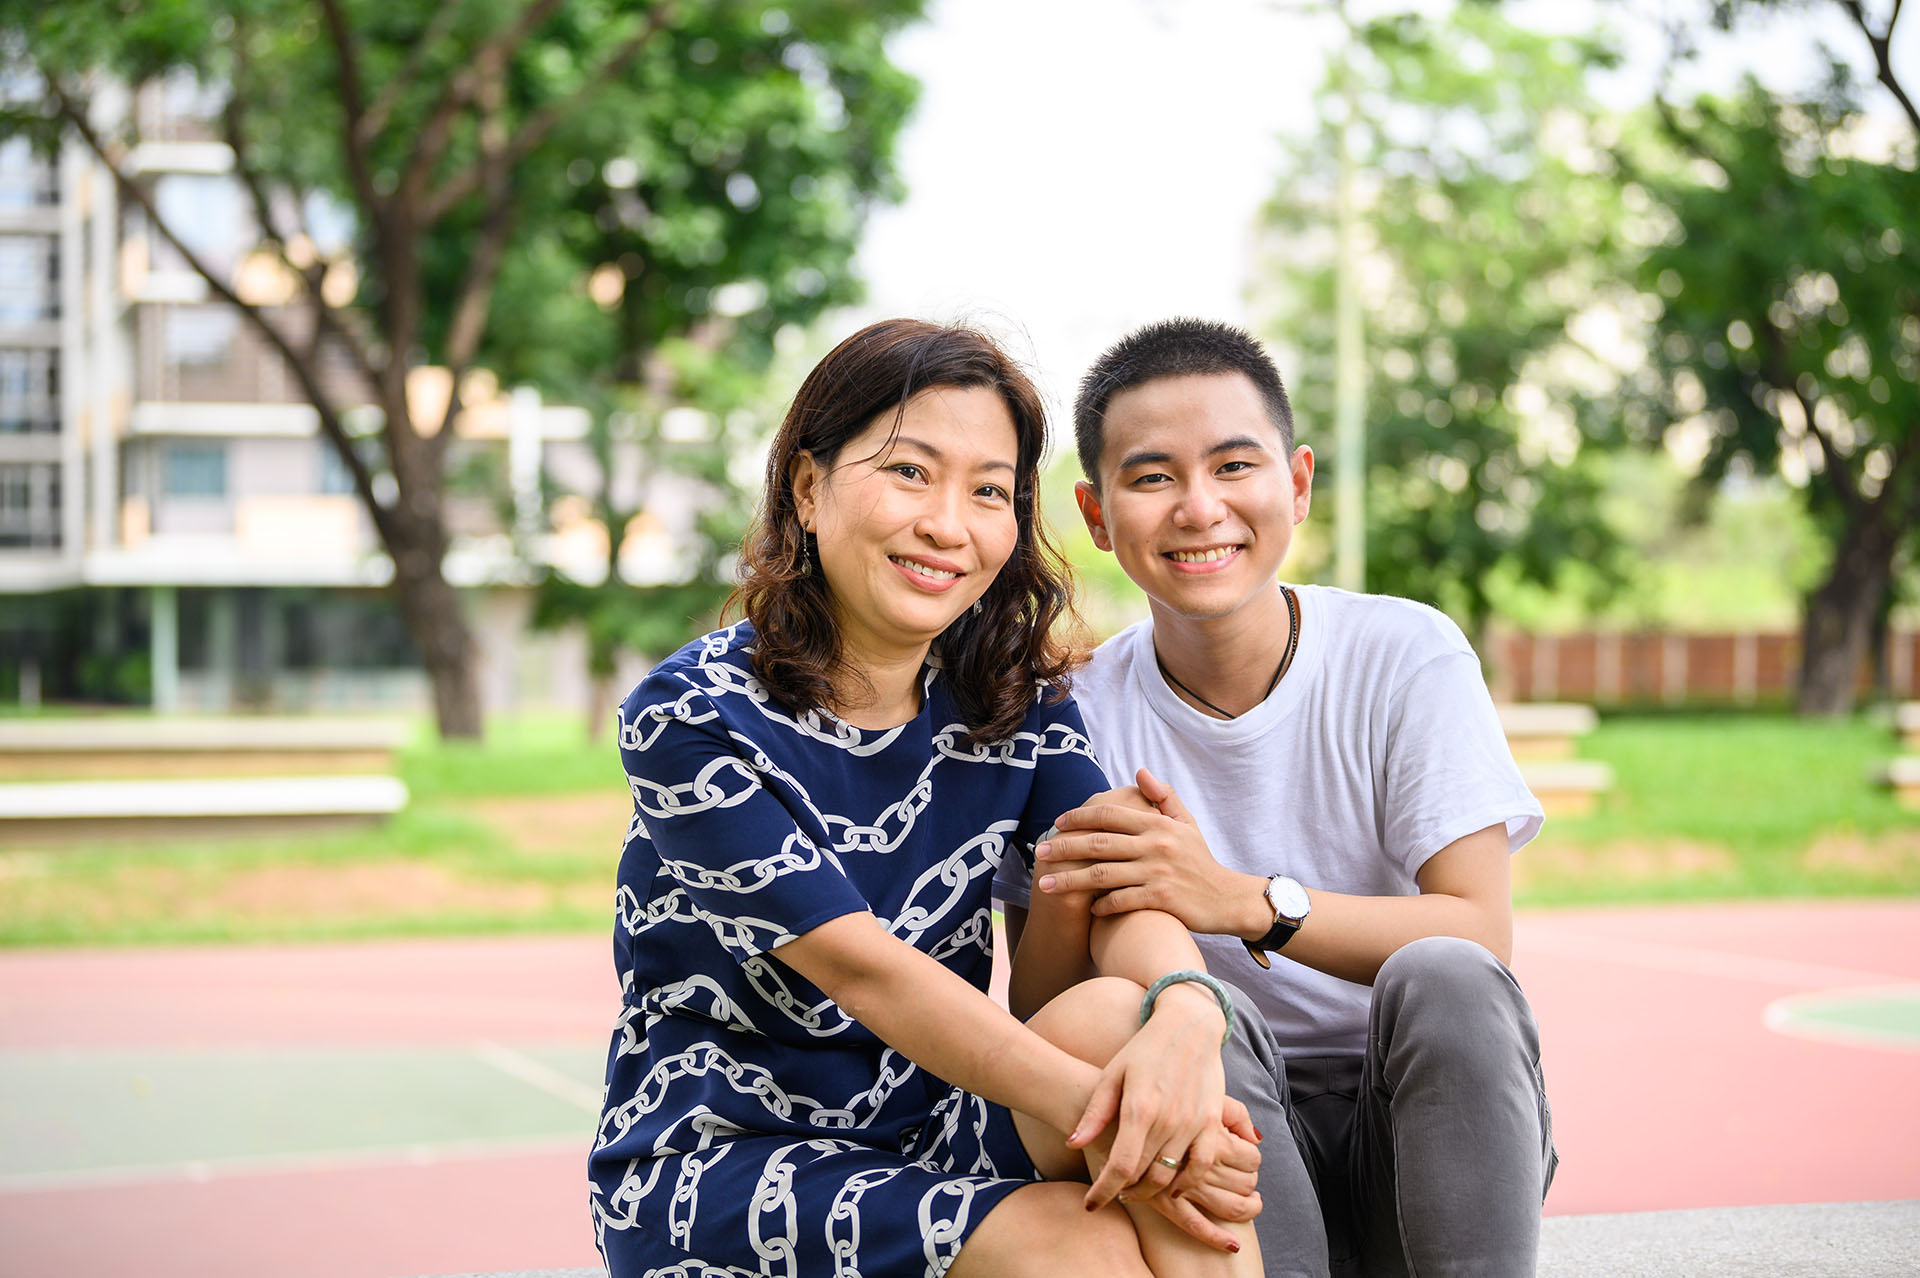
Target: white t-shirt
column 1380, row 747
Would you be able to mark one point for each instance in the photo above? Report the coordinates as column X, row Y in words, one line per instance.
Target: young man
column 1320, row 776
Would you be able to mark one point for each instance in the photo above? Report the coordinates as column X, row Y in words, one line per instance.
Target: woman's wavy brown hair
column 995, row 659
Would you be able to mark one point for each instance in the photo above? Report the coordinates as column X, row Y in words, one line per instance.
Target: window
column 29, row 279
column 334, row 475
column 26, row 179
column 30, row 506
column 199, row 337
column 29, row 391
column 195, row 470
column 205, row 212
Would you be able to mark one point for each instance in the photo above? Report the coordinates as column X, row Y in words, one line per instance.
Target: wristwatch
column 1290, row 909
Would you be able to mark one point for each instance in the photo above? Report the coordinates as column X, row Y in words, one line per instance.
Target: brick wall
column 1642, row 668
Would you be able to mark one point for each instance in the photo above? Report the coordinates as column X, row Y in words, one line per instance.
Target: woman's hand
column 1222, row 1173
column 1167, row 1091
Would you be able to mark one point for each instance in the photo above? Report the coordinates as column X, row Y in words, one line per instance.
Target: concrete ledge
column 62, row 811
column 1545, row 729
column 130, row 746
column 120, row 733
column 1902, row 776
column 1566, row 787
column 1811, row 1240
column 1906, row 721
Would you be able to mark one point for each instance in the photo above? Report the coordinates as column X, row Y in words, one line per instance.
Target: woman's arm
column 918, row 1007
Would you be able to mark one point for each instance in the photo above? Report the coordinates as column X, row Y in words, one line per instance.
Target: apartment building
column 173, row 529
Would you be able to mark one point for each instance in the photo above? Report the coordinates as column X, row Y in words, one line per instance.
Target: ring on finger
column 1171, row 1164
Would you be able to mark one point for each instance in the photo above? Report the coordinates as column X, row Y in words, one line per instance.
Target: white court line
column 416, row 1155
column 1661, row 957
column 535, row 1074
column 1784, row 1016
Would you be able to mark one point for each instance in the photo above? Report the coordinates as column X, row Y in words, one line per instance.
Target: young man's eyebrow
column 939, row 456
column 1238, row 443
column 1144, row 458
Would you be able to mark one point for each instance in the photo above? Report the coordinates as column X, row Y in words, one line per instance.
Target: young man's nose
column 1200, row 506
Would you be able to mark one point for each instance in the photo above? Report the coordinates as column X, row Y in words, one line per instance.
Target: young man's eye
column 1235, row 467
column 1147, row 480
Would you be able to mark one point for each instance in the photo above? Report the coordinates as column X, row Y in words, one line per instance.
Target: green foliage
column 1493, row 221
column 1790, row 329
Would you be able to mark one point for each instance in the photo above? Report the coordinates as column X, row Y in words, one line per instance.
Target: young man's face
column 1196, row 498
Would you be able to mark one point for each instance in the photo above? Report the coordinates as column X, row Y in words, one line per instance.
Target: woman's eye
column 993, row 491
column 907, row 470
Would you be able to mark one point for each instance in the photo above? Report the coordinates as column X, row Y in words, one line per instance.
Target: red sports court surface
column 423, row 1107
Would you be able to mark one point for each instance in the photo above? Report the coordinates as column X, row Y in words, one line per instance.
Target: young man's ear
column 1302, row 468
column 1089, row 501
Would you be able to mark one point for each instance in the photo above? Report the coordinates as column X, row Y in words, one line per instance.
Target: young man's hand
column 1147, row 852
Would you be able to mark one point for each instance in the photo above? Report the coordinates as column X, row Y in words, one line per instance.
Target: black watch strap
column 1281, row 932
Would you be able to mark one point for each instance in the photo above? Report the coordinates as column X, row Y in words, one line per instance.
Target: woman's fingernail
column 1257, row 1135
column 1046, row 883
column 1234, row 1247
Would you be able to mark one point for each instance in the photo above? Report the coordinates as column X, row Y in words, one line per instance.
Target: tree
column 631, row 440
column 481, row 150
column 1790, row 327
column 1495, row 232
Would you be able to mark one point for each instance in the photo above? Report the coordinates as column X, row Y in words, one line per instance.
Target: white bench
column 1902, row 776
column 64, row 811
column 1906, row 721
column 1545, row 729
column 123, row 746
column 1542, row 735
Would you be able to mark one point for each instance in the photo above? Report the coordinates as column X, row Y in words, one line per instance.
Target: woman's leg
column 1094, row 1020
column 1042, row 1231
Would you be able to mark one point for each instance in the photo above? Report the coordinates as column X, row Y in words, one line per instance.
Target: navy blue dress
column 750, row 1126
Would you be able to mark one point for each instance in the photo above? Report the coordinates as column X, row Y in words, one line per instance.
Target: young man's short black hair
column 1173, row 348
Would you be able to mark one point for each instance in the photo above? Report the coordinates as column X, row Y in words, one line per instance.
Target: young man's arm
column 1152, row 855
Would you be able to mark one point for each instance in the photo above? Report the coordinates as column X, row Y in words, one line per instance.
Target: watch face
column 1289, row 898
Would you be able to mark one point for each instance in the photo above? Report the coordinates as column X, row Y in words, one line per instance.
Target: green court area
column 1887, row 1018
column 74, row 1117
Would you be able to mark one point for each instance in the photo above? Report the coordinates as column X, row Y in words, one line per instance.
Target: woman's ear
column 804, row 475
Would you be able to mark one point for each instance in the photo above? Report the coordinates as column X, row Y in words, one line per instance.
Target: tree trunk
column 430, row 609
column 1841, row 612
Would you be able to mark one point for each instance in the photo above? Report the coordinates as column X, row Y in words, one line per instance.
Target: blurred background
column 383, row 386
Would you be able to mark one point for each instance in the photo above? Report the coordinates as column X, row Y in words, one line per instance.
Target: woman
column 808, row 1077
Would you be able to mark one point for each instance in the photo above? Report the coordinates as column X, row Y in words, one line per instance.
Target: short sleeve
column 746, row 868
column 1065, row 775
column 1449, row 770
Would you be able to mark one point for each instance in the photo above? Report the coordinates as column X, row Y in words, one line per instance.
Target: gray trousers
column 1430, row 1154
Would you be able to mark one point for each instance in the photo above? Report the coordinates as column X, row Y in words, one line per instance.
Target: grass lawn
column 1730, row 805
column 522, row 833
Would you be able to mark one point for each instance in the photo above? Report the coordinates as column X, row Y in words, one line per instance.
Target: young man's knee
column 1450, row 991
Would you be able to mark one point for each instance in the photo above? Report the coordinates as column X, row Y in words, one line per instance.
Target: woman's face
column 912, row 529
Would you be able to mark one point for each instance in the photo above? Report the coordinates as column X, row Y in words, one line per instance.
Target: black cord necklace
column 1286, row 659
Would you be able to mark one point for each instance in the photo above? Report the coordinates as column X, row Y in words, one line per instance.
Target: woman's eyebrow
column 939, row 456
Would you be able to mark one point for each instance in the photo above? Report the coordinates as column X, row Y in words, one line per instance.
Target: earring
column 976, row 609
column 806, row 550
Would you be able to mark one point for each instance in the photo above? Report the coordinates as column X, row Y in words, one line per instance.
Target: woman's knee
column 1042, row 1230
column 1093, row 1020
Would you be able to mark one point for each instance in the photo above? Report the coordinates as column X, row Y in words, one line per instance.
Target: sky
column 1079, row 167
